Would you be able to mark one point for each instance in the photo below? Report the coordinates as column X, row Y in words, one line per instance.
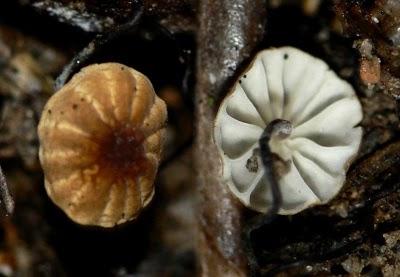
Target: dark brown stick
column 228, row 34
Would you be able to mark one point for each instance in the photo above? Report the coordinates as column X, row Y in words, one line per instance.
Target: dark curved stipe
column 95, row 45
column 281, row 128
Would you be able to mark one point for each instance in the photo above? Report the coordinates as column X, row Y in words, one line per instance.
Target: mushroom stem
column 277, row 128
column 95, row 45
column 280, row 129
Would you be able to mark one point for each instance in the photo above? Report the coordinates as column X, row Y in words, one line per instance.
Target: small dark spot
column 82, row 99
column 245, row 76
column 252, row 162
column 49, row 111
column 240, row 81
column 62, row 112
column 123, row 215
column 285, row 56
column 122, row 68
column 74, row 106
column 70, row 204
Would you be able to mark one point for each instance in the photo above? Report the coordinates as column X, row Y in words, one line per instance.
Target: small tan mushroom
column 101, row 138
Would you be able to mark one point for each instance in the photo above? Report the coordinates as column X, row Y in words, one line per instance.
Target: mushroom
column 302, row 118
column 101, row 137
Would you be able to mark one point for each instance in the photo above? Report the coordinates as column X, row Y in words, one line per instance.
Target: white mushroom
column 315, row 144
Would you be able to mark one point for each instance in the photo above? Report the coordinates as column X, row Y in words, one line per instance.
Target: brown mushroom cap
column 101, row 139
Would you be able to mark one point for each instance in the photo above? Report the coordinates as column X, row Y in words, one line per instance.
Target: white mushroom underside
column 289, row 84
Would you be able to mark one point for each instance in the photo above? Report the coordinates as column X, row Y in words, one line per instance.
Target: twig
column 94, row 46
column 228, row 34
